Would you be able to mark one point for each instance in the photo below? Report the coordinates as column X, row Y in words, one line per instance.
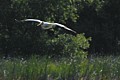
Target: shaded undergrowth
column 37, row 68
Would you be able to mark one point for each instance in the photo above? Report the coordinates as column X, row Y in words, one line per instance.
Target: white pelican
column 48, row 25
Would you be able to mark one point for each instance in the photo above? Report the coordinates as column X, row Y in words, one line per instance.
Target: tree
column 24, row 37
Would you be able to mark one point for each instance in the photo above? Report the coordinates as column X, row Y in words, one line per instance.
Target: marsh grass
column 37, row 68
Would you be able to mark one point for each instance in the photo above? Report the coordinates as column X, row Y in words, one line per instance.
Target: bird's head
column 41, row 23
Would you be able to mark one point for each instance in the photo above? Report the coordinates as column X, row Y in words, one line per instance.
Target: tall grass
column 37, row 68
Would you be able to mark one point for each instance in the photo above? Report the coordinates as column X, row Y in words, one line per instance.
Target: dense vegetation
column 29, row 53
column 98, row 19
column 37, row 68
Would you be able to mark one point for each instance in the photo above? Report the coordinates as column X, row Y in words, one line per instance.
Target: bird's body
column 48, row 25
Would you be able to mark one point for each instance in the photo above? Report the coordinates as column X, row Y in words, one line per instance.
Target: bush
column 68, row 46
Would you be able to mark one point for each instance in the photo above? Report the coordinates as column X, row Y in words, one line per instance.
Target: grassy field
column 37, row 68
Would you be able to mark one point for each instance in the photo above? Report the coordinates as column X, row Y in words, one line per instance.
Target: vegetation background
column 62, row 55
column 99, row 19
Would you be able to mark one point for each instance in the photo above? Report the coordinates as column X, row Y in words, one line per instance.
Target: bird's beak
column 39, row 24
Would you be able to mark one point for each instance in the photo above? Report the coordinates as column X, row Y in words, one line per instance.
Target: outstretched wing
column 60, row 25
column 33, row 20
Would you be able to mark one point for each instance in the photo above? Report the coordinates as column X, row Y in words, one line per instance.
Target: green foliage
column 100, row 20
column 37, row 68
column 20, row 38
column 49, row 10
column 25, row 38
column 68, row 45
column 96, row 18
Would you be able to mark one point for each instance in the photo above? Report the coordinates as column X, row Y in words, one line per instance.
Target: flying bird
column 48, row 25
